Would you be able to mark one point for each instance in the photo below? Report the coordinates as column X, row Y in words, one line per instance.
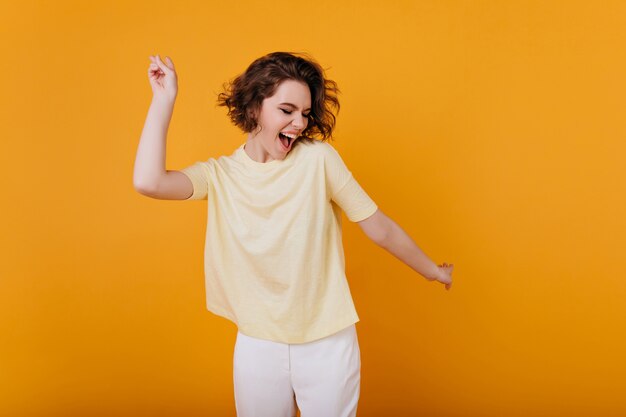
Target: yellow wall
column 492, row 132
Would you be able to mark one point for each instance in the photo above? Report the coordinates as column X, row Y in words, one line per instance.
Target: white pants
column 322, row 378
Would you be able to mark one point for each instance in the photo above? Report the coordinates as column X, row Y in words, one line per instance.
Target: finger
column 154, row 70
column 162, row 66
column 170, row 64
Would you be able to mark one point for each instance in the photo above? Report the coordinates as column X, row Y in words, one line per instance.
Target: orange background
column 492, row 132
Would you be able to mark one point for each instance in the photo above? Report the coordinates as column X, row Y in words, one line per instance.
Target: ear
column 253, row 113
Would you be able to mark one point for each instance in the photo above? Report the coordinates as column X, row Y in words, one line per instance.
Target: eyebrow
column 294, row 106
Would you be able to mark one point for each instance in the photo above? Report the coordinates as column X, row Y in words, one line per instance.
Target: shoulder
column 209, row 162
column 318, row 149
column 235, row 158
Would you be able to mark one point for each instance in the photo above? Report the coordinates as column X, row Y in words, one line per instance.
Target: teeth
column 292, row 136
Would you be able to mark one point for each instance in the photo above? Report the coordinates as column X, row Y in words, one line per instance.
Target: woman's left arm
column 389, row 235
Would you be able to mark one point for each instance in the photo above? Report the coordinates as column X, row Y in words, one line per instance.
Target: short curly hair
column 245, row 94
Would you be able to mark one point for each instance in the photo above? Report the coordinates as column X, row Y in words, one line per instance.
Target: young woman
column 274, row 260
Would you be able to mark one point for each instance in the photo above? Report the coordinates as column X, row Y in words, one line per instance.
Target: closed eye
column 288, row 112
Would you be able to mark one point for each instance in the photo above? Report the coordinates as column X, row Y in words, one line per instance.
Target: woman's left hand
column 445, row 274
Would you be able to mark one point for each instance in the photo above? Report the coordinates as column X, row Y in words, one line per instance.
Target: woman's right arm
column 150, row 177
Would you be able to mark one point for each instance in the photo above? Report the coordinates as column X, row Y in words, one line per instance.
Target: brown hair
column 245, row 94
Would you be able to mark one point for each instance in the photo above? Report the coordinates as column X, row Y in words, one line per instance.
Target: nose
column 300, row 122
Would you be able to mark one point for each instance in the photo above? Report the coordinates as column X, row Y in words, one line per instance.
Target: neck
column 255, row 150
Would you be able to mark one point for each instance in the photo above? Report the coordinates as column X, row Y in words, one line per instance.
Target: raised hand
column 163, row 79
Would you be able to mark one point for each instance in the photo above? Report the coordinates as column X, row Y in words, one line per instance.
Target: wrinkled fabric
column 273, row 257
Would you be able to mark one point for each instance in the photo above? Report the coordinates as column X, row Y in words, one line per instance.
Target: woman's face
column 285, row 112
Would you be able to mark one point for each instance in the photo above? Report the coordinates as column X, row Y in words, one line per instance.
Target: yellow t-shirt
column 273, row 258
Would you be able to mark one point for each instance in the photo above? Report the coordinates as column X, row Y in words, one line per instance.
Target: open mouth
column 285, row 140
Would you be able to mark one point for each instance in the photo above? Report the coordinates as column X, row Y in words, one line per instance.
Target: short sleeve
column 344, row 189
column 198, row 174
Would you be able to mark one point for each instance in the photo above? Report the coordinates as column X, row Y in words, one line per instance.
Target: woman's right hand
column 163, row 78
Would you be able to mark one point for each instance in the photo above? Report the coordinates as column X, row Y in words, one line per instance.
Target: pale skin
column 150, row 177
